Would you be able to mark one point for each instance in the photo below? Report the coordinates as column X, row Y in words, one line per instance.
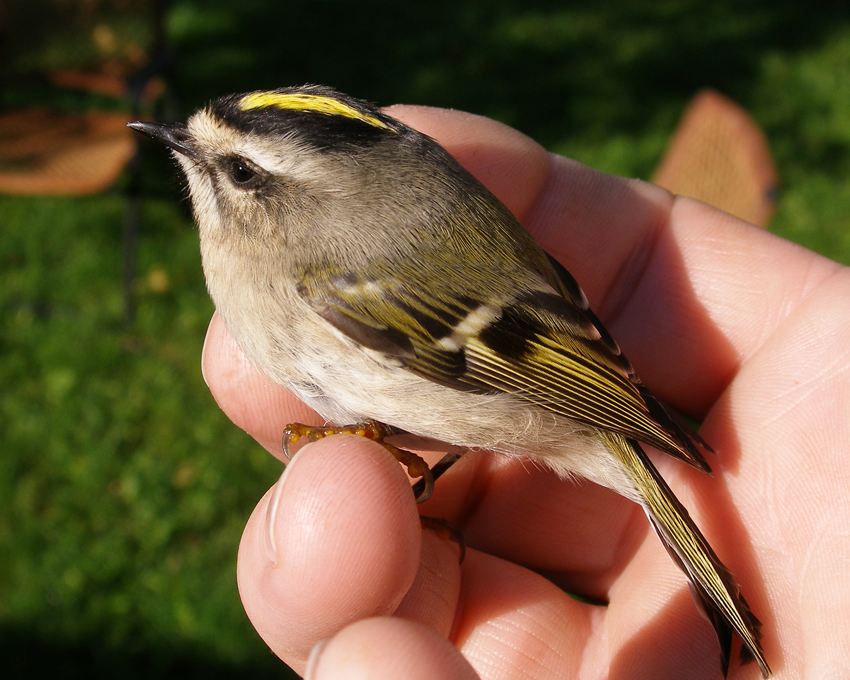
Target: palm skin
column 725, row 322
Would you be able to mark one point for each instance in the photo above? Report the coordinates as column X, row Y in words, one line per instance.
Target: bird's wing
column 538, row 343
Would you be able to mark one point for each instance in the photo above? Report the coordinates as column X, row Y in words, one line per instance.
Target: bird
column 358, row 264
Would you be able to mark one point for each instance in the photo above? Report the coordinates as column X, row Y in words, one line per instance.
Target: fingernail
column 269, row 541
column 313, row 660
column 205, row 349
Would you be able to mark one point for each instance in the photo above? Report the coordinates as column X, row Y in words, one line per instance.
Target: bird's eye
column 241, row 173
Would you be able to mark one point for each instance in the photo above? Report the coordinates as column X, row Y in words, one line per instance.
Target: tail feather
column 712, row 584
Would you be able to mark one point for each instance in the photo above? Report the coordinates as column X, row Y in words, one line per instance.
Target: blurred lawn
column 124, row 488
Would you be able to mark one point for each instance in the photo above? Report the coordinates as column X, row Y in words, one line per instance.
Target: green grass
column 124, row 488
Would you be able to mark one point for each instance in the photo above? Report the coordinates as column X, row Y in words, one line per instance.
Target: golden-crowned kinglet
column 358, row 264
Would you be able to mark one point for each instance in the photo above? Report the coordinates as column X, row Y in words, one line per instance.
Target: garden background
column 123, row 489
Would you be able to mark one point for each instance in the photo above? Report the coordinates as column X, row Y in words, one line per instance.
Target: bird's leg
column 377, row 432
column 416, row 466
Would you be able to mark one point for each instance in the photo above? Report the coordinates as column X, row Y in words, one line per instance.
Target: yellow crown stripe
column 307, row 102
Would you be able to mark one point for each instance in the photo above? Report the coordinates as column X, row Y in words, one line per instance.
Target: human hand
column 725, row 322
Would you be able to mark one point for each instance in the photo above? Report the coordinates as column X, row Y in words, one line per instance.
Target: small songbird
column 359, row 265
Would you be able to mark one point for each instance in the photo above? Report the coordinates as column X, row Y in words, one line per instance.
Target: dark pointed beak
column 173, row 136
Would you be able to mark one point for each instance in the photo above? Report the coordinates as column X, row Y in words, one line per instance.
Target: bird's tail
column 711, row 582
